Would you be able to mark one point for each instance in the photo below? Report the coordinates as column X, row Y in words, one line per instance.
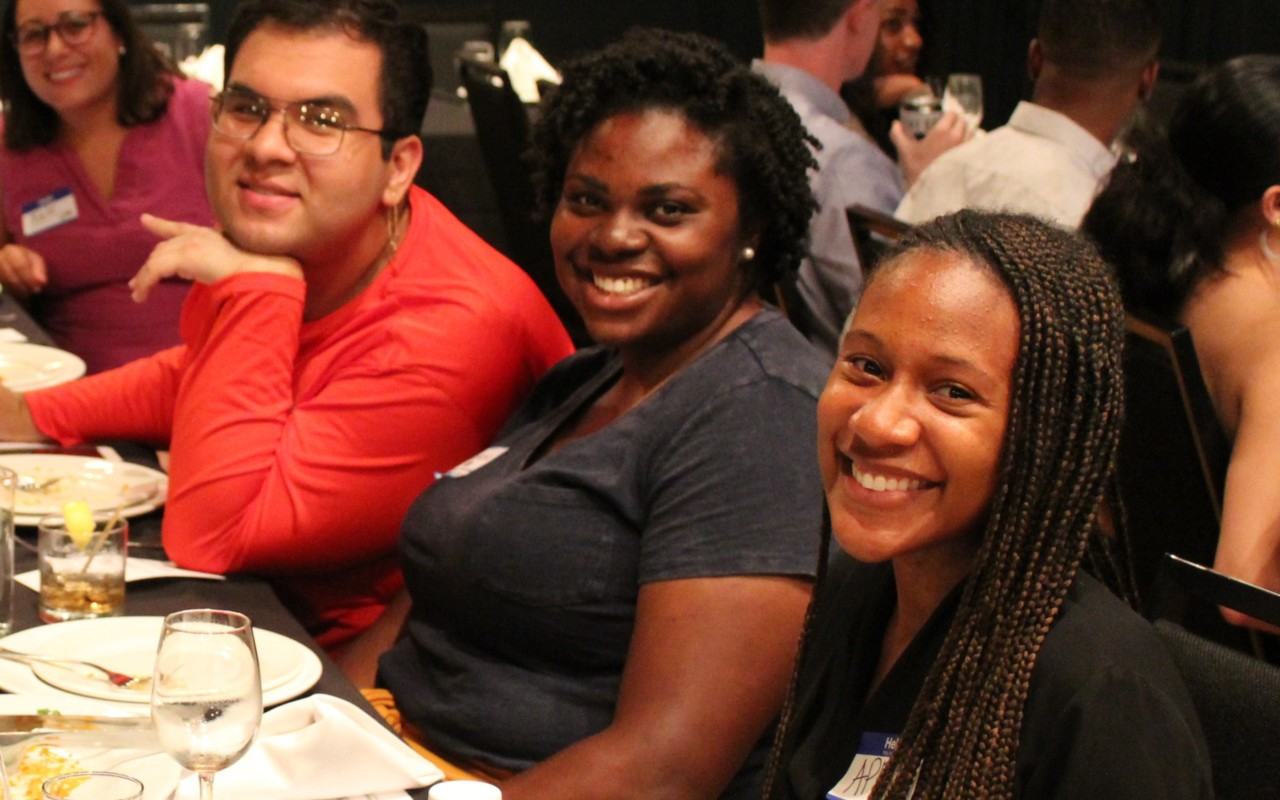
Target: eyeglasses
column 313, row 128
column 75, row 28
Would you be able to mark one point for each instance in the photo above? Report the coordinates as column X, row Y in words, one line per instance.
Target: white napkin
column 12, row 335
column 206, row 67
column 526, row 66
column 135, row 569
column 316, row 748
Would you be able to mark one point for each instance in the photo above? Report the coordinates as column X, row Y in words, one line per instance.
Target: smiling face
column 318, row 209
column 911, row 422
column 899, row 42
column 647, row 236
column 69, row 79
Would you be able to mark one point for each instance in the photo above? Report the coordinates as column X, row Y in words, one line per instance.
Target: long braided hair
column 962, row 736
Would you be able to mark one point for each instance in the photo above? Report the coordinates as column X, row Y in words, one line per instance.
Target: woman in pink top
column 99, row 128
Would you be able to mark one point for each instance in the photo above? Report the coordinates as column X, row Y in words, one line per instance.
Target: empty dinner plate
column 128, row 645
column 25, row 366
column 104, row 485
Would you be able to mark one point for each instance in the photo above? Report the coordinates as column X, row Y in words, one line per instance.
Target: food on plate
column 39, row 763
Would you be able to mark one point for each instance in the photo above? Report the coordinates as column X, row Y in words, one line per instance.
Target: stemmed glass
column 206, row 693
column 965, row 89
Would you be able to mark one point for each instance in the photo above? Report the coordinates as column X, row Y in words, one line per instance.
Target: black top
column 525, row 566
column 1107, row 713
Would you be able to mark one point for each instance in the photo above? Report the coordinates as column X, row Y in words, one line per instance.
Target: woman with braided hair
column 606, row 601
column 966, row 439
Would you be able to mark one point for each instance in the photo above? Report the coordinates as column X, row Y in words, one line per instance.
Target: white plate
column 25, row 366
column 101, row 483
column 23, row 704
column 85, row 756
column 128, row 644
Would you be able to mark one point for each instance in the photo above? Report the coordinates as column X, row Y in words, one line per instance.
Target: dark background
column 989, row 37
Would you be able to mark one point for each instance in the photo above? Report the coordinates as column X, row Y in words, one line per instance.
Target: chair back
column 179, row 29
column 1180, row 580
column 1173, row 452
column 502, row 129
column 450, row 26
column 873, row 231
column 1236, row 696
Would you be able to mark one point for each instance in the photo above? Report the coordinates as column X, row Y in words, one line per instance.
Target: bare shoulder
column 1235, row 323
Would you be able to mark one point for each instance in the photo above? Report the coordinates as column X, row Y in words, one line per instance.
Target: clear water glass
column 8, row 483
column 92, row 786
column 206, row 693
column 965, row 90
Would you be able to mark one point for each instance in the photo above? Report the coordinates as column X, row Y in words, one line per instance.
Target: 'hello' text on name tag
column 874, row 752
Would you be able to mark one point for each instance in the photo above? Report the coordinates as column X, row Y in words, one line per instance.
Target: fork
column 136, row 682
column 30, row 485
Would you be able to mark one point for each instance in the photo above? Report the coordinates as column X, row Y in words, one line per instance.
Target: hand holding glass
column 919, row 111
column 206, row 695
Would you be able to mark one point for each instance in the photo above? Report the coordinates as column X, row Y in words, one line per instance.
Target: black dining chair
column 1236, row 695
column 1173, row 453
column 872, row 231
column 502, row 129
column 1180, row 581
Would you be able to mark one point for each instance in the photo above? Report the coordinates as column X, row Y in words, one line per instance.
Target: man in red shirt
column 347, row 337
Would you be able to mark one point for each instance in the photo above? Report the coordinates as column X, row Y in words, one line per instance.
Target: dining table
column 248, row 594
column 14, row 316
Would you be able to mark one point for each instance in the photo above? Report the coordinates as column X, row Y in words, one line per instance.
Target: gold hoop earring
column 1264, row 244
column 394, row 233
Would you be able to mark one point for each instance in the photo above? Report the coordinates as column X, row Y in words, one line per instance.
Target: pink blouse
column 86, row 305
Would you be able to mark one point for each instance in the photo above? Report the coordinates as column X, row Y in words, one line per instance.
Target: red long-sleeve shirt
column 297, row 447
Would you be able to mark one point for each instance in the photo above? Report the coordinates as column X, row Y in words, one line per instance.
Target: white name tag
column 57, row 209
column 474, row 463
column 874, row 752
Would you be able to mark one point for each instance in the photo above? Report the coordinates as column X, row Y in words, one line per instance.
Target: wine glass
column 206, row 693
column 964, row 90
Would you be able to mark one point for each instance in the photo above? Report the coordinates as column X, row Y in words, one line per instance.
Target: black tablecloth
column 13, row 315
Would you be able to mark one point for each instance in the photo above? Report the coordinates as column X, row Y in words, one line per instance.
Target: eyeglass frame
column 59, row 25
column 285, row 107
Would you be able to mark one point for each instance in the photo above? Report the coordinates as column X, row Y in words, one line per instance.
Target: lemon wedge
column 79, row 519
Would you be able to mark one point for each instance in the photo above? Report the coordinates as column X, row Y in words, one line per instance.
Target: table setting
column 162, row 704
column 82, row 691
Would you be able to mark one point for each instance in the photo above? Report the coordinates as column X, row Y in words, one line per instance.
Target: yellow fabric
column 385, row 704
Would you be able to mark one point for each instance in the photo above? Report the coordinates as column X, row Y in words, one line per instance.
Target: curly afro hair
column 763, row 145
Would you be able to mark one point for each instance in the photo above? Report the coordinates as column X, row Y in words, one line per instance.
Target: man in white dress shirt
column 1093, row 62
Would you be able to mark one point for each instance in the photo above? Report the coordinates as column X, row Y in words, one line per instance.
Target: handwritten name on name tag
column 874, row 752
